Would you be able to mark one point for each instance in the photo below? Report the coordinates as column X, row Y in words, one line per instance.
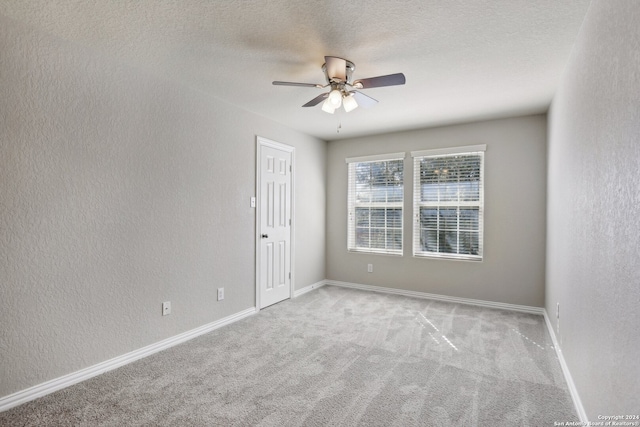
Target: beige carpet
column 335, row 357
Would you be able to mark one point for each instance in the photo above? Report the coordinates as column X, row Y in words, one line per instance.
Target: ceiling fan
column 338, row 72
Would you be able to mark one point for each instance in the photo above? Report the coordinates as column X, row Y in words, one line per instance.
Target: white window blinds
column 375, row 200
column 448, row 202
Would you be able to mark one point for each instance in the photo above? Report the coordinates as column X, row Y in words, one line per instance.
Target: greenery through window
column 375, row 204
column 448, row 203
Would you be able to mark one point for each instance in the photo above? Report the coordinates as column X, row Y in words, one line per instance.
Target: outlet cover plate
column 166, row 308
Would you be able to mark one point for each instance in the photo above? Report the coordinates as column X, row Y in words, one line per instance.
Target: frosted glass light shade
column 349, row 103
column 327, row 107
column 335, row 98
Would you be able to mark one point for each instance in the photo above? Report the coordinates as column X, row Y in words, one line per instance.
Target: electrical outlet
column 557, row 310
column 166, row 308
column 220, row 294
column 370, row 268
column 253, row 202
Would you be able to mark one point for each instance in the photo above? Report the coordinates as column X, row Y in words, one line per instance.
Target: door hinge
column 289, row 275
column 290, row 168
column 289, row 221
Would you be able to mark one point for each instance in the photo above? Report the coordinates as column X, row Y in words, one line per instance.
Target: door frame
column 264, row 142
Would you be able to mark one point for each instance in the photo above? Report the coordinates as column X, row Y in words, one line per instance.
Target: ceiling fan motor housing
column 348, row 72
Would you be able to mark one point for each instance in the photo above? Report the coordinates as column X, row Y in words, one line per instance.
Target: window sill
column 370, row 252
column 446, row 257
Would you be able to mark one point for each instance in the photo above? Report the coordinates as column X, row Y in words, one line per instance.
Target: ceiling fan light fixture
column 349, row 103
column 335, row 98
column 327, row 107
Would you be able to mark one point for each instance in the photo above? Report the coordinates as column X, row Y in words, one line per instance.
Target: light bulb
column 335, row 98
column 349, row 103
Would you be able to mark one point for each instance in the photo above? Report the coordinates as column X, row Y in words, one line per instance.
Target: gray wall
column 515, row 179
column 120, row 190
column 593, row 249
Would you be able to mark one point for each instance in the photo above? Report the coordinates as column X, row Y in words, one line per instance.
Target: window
column 448, row 203
column 375, row 199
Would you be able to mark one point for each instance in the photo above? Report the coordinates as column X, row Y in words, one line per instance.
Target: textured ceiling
column 463, row 59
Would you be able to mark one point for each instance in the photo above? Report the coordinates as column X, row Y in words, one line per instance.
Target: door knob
column 264, row 236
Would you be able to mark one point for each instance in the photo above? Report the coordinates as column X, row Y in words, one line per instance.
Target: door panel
column 274, row 226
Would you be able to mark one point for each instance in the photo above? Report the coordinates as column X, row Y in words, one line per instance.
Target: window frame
column 418, row 252
column 353, row 204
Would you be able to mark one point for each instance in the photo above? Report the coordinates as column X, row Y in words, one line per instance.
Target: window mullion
column 458, row 213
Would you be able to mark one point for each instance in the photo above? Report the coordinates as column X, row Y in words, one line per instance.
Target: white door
column 274, row 223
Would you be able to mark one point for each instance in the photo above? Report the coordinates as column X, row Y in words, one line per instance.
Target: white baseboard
column 415, row 294
column 309, row 288
column 51, row 386
column 565, row 371
column 56, row 384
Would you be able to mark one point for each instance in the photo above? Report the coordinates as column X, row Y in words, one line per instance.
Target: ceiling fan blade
column 277, row 83
column 380, row 81
column 317, row 100
column 364, row 100
column 336, row 68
